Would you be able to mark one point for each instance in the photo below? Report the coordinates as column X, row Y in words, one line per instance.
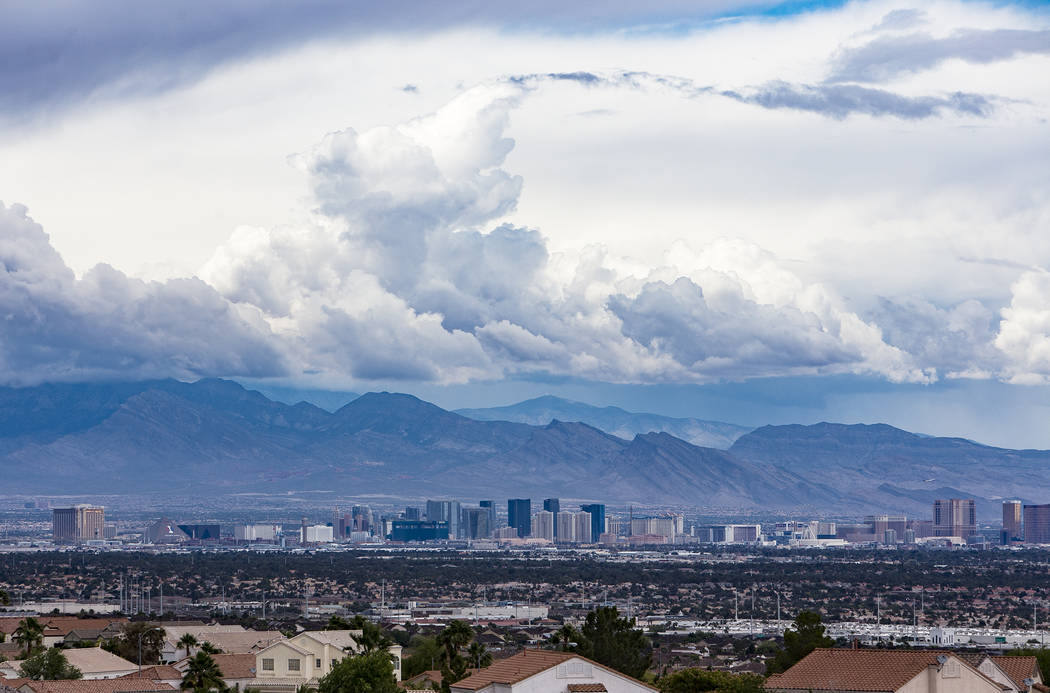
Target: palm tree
column 479, row 655
column 209, row 648
column 202, row 674
column 29, row 635
column 455, row 637
column 566, row 636
column 187, row 640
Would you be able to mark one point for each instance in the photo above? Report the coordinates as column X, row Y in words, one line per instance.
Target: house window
column 267, row 665
column 950, row 670
column 293, row 665
column 397, row 662
column 318, row 663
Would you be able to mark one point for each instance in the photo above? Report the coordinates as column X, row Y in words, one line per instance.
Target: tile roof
column 95, row 660
column 858, row 670
column 59, row 625
column 587, row 688
column 526, row 664
column 243, row 642
column 121, row 685
column 155, row 672
column 236, row 666
column 343, row 639
column 1018, row 668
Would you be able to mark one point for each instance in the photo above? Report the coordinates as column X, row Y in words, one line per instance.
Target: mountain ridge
column 620, row 422
column 215, row 436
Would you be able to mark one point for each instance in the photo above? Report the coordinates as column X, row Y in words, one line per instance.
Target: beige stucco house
column 305, row 658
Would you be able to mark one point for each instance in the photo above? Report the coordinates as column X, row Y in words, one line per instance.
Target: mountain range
column 619, row 422
column 215, row 437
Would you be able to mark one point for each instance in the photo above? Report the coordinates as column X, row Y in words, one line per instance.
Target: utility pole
column 736, row 606
column 878, row 616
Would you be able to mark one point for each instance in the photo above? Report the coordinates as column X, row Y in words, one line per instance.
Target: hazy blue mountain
column 619, row 422
column 901, row 469
column 329, row 400
column 214, row 436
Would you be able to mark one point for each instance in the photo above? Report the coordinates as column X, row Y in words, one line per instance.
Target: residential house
column 546, row 671
column 307, row 657
column 883, row 671
column 1016, row 674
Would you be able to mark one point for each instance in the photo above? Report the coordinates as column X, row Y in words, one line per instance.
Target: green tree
column 1042, row 656
column 202, row 674
column 456, row 635
column 478, row 655
column 372, row 638
column 425, row 654
column 566, row 636
column 48, row 665
column 209, row 648
column 615, row 642
column 807, row 636
column 337, row 623
column 372, row 672
column 5, row 599
column 700, row 680
column 126, row 644
column 29, row 635
column 187, row 640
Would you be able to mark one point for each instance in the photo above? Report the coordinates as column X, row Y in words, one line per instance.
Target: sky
column 759, row 212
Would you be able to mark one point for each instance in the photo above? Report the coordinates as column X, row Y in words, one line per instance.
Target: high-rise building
column 581, row 527
column 881, row 523
column 597, row 511
column 563, row 521
column 519, row 515
column 445, row 511
column 955, row 517
column 411, row 513
column 1011, row 521
column 1037, row 524
column 543, row 525
column 553, row 505
column 490, row 507
column 79, row 523
column 477, row 523
column 415, row 530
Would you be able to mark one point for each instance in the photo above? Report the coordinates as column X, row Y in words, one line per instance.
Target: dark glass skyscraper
column 519, row 515
column 553, row 505
column 597, row 511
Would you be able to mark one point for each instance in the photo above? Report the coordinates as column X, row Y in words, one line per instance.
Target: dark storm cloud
column 57, row 53
column 888, row 57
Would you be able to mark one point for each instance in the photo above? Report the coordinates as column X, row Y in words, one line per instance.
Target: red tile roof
column 1018, row 669
column 587, row 688
column 878, row 671
column 523, row 665
column 236, row 666
column 120, row 685
column 155, row 672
